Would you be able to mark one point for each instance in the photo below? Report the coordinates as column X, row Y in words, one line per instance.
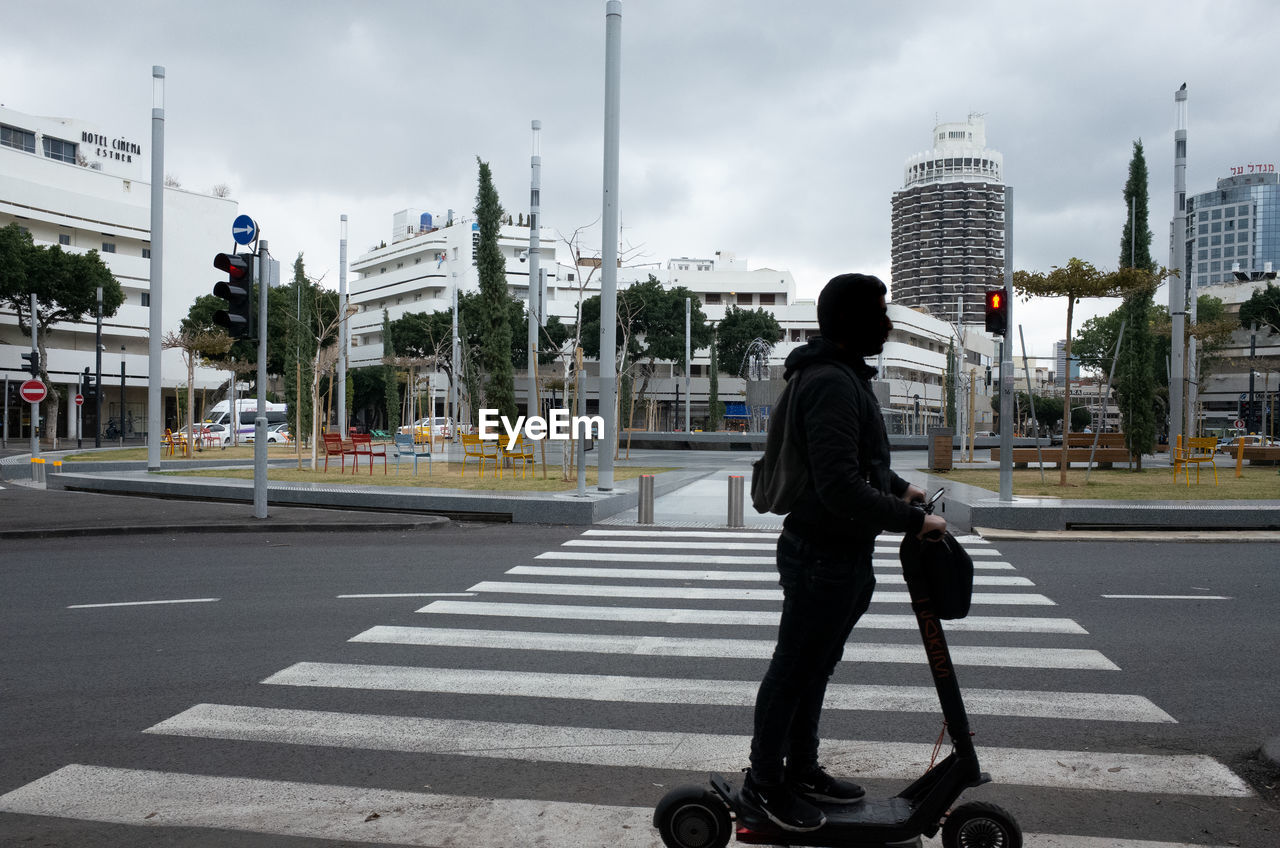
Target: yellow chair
column 521, row 453
column 482, row 451
column 1199, row 450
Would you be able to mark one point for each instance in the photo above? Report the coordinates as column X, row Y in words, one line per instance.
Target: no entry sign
column 32, row 391
column 79, row 400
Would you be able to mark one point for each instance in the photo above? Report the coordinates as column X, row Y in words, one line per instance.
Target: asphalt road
column 1111, row 719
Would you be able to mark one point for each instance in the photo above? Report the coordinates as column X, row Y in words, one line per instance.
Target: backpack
column 778, row 477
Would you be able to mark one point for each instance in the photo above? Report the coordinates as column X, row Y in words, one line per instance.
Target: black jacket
column 852, row 494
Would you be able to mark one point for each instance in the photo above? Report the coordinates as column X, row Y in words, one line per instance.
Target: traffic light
column 997, row 312
column 237, row 291
column 88, row 386
column 33, row 362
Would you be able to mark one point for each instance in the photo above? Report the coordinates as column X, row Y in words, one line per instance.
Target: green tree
column 1134, row 381
column 1079, row 279
column 1262, row 308
column 650, row 326
column 496, row 342
column 739, row 329
column 65, row 286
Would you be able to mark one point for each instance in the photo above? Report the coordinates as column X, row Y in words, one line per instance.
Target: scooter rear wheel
column 693, row 817
column 981, row 825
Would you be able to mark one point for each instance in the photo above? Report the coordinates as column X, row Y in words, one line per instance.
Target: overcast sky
column 774, row 131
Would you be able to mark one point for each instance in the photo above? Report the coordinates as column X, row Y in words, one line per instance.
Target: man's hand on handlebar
column 913, row 494
column 933, row 528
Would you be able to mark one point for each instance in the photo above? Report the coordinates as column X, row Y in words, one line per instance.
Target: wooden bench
column 1110, row 450
column 1260, row 454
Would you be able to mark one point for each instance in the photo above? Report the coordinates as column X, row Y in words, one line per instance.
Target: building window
column 744, row 299
column 56, row 148
column 64, row 239
column 146, row 298
column 18, row 139
column 711, row 297
column 108, row 247
column 767, row 299
column 146, row 253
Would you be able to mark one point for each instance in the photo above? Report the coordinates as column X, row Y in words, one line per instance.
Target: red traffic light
column 236, row 266
column 997, row 310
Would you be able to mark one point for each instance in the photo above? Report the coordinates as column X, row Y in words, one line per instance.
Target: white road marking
column 726, row 559
column 763, row 545
column 586, row 590
column 1170, row 597
column 746, row 576
column 414, row 595
column 1180, row 774
column 1090, row 706
column 748, row 535
column 763, row 618
column 145, row 603
column 669, row 646
column 316, row 811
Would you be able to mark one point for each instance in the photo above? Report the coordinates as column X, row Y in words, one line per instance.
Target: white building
column 81, row 186
column 427, row 257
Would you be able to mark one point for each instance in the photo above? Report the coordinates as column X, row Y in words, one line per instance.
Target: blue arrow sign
column 244, row 230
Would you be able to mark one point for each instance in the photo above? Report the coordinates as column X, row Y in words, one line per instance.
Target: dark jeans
column 825, row 592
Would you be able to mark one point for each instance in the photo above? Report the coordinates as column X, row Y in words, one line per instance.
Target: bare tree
column 196, row 346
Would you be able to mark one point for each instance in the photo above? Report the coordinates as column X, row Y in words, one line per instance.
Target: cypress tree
column 390, row 380
column 1135, row 369
column 492, row 269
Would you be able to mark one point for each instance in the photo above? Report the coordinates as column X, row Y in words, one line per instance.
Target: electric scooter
column 702, row 817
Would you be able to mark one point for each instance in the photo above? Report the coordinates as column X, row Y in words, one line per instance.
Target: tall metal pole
column 609, row 240
column 1006, row 358
column 120, row 425
column 535, row 261
column 1177, row 259
column 35, row 407
column 260, row 418
column 456, row 355
column 688, row 358
column 155, row 369
column 97, row 392
column 344, row 328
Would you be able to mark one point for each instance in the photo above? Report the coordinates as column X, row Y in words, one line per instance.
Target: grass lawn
column 1260, row 482
column 443, row 476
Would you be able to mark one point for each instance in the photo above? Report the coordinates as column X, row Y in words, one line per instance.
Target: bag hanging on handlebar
column 947, row 570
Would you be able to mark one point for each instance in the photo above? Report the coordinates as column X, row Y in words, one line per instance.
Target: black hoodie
column 852, row 494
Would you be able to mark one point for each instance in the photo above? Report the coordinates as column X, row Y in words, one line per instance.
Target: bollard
column 57, row 466
column 644, row 511
column 735, row 500
column 37, row 469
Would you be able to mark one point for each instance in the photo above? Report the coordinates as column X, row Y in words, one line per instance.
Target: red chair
column 333, row 446
column 362, row 445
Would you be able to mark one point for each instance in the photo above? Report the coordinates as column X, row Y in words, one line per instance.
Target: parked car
column 1251, row 441
column 436, row 427
column 210, row 434
column 276, row 434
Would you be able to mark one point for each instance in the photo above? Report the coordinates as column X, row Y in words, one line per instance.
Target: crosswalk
column 646, row 606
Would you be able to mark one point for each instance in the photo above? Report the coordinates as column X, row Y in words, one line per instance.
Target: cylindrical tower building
column 948, row 224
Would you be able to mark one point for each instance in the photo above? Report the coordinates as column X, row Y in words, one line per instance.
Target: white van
column 247, row 411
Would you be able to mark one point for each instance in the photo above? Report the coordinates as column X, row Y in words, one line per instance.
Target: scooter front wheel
column 981, row 825
column 693, row 817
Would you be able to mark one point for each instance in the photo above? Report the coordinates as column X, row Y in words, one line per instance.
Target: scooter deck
column 868, row 823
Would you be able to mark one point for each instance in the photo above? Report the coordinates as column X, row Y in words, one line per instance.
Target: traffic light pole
column 260, row 420
column 1006, row 359
column 97, row 393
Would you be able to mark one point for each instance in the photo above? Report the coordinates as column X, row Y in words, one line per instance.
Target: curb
column 251, row 525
